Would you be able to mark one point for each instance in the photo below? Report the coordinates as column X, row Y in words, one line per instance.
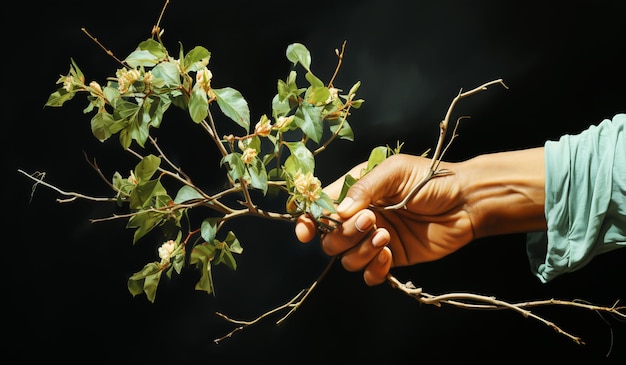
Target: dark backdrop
column 65, row 278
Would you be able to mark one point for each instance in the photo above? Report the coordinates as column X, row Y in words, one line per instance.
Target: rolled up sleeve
column 585, row 204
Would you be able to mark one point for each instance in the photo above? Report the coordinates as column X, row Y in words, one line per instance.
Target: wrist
column 505, row 191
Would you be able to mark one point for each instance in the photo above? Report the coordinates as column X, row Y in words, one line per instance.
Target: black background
column 65, row 278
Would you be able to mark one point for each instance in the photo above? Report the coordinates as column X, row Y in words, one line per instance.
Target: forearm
column 505, row 191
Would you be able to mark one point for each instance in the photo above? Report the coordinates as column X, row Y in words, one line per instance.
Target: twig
column 71, row 194
column 439, row 150
column 106, row 50
column 294, row 304
column 475, row 301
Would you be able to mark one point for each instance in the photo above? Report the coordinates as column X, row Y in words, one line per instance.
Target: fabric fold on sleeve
column 585, row 205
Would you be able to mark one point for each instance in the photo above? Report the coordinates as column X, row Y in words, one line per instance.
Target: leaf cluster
column 275, row 157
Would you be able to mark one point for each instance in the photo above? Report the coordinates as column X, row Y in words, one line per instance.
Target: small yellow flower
column 165, row 252
column 203, row 79
column 334, row 92
column 132, row 179
column 67, row 84
column 97, row 90
column 283, row 122
column 147, row 77
column 263, row 127
column 249, row 154
column 307, row 185
column 125, row 78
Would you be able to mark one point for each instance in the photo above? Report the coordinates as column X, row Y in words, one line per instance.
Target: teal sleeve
column 585, row 204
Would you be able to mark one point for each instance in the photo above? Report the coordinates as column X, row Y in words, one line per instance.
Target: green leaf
column 198, row 104
column 354, row 88
column 125, row 109
column 301, row 158
column 316, row 210
column 234, row 106
column 345, row 132
column 288, row 89
column 101, row 124
column 348, row 181
column 208, row 228
column 197, row 54
column 147, row 167
column 154, row 47
column 125, row 137
column 356, row 104
column 111, row 93
column 228, row 259
column 141, row 58
column 144, row 194
column 168, row 72
column 377, row 155
column 316, row 82
column 298, row 53
column 310, row 121
column 153, row 109
column 253, row 142
column 187, row 194
column 317, row 95
column 282, row 87
column 139, row 132
column 234, row 164
column 233, row 243
column 280, row 107
column 201, row 256
column 144, row 222
column 59, row 97
column 178, row 262
column 325, row 202
column 75, row 71
column 258, row 175
column 146, row 281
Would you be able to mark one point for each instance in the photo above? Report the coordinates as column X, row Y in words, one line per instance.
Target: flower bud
column 97, row 90
column 203, row 79
column 67, row 84
column 249, row 154
column 263, row 127
column 333, row 95
column 165, row 251
column 283, row 122
column 132, row 179
column 307, row 185
column 125, row 78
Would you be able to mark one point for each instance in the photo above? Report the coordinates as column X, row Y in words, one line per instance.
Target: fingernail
column 379, row 239
column 345, row 204
column 363, row 223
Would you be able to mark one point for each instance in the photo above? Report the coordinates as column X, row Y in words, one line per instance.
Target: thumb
column 370, row 188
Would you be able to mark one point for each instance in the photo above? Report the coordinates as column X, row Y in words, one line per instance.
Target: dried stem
column 475, row 301
column 106, row 50
column 439, row 149
column 292, row 305
column 73, row 195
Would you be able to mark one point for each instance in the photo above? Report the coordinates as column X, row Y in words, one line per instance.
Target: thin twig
column 293, row 304
column 475, row 301
column 71, row 194
column 439, row 149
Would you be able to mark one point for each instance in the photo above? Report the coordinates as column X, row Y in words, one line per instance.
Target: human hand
column 434, row 224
